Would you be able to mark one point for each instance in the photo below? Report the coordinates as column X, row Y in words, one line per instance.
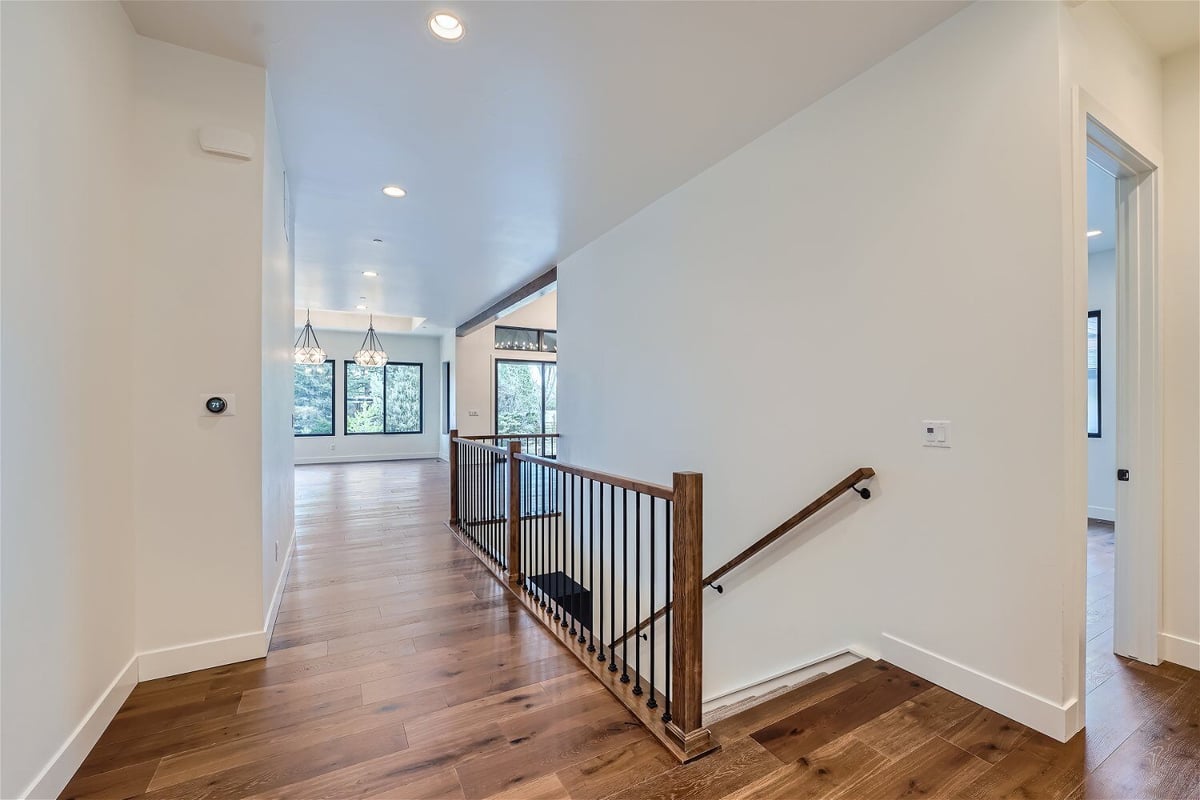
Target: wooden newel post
column 687, row 619
column 453, row 477
column 514, row 513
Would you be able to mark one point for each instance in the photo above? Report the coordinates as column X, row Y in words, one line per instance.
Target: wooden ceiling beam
column 493, row 312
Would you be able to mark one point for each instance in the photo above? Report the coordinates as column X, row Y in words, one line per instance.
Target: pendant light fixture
column 371, row 353
column 308, row 349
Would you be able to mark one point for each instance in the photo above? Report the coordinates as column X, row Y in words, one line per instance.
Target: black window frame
column 541, row 339
column 385, row 432
column 496, row 390
column 332, row 402
column 1099, row 376
column 446, row 398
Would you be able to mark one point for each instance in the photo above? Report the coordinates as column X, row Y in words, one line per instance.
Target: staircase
column 611, row 566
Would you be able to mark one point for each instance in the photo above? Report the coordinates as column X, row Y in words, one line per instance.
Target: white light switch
column 936, row 433
column 472, row 413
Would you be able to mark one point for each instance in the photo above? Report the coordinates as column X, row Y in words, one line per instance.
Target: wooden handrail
column 511, row 436
column 488, row 447
column 651, row 489
column 844, row 485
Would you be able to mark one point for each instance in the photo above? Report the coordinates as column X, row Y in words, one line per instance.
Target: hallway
column 399, row 668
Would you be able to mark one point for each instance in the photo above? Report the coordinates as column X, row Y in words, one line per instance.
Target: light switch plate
column 935, row 432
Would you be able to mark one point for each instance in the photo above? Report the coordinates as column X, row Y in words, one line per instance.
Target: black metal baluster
column 541, row 537
column 667, row 558
column 530, row 549
column 592, row 560
column 625, row 585
column 561, row 521
column 637, row 592
column 612, row 578
column 652, row 703
column 577, row 535
column 553, row 545
column 600, row 628
column 569, row 533
column 490, row 504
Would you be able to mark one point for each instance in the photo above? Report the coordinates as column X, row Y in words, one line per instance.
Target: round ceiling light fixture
column 446, row 26
column 370, row 273
column 394, row 191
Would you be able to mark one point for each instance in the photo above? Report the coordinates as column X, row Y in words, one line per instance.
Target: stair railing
column 586, row 552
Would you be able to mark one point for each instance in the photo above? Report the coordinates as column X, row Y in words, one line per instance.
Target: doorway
column 1101, row 421
column 1118, row 319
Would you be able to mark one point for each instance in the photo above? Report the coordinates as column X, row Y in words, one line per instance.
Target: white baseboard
column 363, row 458
column 1179, row 650
column 1100, row 512
column 277, row 597
column 54, row 776
column 1039, row 713
column 201, row 655
column 829, row 663
column 148, row 666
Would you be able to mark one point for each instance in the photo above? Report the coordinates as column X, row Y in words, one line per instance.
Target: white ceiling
column 547, row 125
column 1168, row 26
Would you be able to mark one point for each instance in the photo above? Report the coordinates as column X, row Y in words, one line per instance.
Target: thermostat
column 218, row 404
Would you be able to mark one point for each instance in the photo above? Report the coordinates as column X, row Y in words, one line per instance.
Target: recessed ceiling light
column 377, row 241
column 370, row 273
column 1094, row 233
column 394, row 191
column 361, row 307
column 446, row 26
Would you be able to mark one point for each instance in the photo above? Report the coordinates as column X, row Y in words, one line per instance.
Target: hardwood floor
column 399, row 668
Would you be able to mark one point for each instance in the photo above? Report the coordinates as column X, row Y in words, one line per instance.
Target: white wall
column 1181, row 358
column 342, row 345
column 475, row 364
column 1102, row 452
column 278, row 290
column 861, row 245
column 66, row 490
column 198, row 307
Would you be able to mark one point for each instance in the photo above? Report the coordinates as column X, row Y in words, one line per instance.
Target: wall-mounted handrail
column 849, row 483
column 842, row 486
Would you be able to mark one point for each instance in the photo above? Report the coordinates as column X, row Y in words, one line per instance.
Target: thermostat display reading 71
column 216, row 405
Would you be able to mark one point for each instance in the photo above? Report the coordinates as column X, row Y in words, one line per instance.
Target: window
column 529, row 339
column 383, row 399
column 1093, row 374
column 526, row 396
column 312, row 409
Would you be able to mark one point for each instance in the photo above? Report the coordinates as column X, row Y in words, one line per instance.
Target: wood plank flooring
column 400, row 669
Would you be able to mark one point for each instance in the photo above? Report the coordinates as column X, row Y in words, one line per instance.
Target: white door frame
column 1139, row 502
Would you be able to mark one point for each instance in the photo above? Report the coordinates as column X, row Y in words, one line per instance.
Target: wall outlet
column 332, row 447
